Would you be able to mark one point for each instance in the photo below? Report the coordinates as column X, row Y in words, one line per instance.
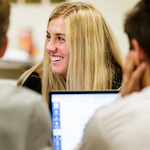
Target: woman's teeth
column 56, row 58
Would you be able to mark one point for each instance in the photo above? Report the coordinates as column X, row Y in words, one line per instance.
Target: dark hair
column 4, row 20
column 137, row 25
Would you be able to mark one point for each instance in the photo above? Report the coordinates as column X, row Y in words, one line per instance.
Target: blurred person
column 24, row 118
column 125, row 124
column 81, row 52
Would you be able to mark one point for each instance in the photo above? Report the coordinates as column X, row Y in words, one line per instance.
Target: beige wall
column 36, row 17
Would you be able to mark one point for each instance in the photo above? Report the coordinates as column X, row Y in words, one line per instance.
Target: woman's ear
column 139, row 51
column 3, row 50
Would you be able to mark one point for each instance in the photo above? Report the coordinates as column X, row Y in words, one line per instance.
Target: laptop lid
column 71, row 111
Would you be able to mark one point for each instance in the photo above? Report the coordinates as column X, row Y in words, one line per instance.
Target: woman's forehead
column 57, row 25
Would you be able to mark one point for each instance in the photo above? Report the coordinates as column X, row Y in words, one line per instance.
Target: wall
column 36, row 16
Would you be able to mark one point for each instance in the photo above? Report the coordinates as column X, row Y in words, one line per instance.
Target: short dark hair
column 4, row 20
column 137, row 25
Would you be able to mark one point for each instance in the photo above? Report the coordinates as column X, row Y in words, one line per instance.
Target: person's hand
column 132, row 74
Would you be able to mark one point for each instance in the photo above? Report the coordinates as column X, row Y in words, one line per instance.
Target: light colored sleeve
column 93, row 138
column 119, row 97
column 40, row 131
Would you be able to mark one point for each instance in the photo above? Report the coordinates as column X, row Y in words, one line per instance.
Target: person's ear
column 3, row 50
column 139, row 51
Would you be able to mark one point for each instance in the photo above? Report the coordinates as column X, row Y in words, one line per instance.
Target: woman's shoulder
column 33, row 82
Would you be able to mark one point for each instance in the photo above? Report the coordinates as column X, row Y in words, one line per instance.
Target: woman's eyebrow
column 57, row 33
column 47, row 32
column 60, row 34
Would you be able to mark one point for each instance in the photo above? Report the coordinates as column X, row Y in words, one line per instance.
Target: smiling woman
column 57, row 46
column 81, row 52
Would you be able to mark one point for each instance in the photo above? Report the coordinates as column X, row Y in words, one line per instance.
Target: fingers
column 130, row 63
column 137, row 74
column 128, row 68
column 134, row 82
column 132, row 75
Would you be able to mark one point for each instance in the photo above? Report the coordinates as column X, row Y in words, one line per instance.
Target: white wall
column 36, row 17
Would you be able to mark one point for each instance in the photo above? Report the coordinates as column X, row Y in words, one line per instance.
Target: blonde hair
column 95, row 57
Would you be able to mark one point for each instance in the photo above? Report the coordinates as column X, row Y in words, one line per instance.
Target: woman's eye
column 61, row 39
column 48, row 36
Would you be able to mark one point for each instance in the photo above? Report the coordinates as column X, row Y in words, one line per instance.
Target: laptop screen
column 71, row 111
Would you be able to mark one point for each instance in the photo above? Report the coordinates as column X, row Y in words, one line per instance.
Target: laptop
column 71, row 111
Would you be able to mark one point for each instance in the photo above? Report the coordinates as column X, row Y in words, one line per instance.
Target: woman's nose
column 51, row 46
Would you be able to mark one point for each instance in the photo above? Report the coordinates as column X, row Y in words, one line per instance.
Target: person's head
column 82, row 47
column 4, row 23
column 137, row 27
column 57, row 46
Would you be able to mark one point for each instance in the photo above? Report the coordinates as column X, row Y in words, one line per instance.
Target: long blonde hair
column 95, row 57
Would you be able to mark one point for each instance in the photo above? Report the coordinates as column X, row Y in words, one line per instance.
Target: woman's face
column 57, row 46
